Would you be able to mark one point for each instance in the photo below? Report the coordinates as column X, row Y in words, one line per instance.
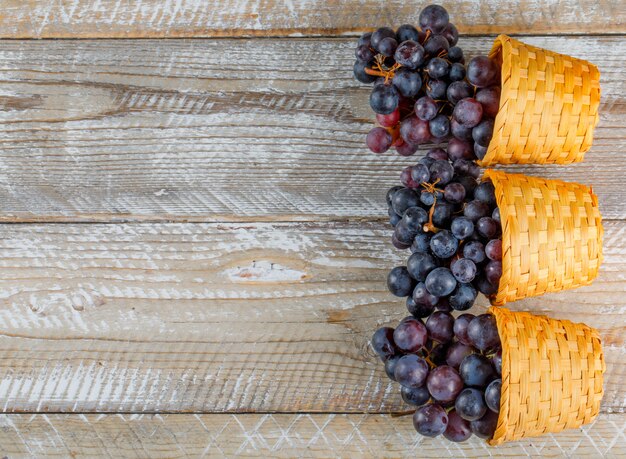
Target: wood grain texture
column 223, row 130
column 279, row 436
column 198, row 18
column 226, row 317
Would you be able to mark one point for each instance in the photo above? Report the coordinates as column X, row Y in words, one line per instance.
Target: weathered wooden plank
column 226, row 317
column 224, row 130
column 196, row 18
column 280, row 436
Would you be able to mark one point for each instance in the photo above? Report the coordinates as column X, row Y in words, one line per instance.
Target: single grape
column 400, row 282
column 365, row 39
column 459, row 90
column 390, row 366
column 483, row 132
column 415, row 218
column 438, row 154
column 443, row 305
column 496, row 360
column 426, row 108
column 430, row 420
column 457, row 352
column 363, row 53
column 403, row 233
column 437, row 354
column 455, row 54
column 485, row 287
column 480, row 151
column 486, row 227
column 458, row 429
column 387, row 46
column 483, row 332
column 475, row 251
column 462, row 227
column 444, row 245
column 394, row 218
column 384, row 99
column 406, row 149
column 415, row 131
column 407, row 82
column 440, row 126
column 482, row 71
column 406, row 178
column 451, row 34
column 390, row 193
column 436, row 89
column 468, row 112
column 417, row 396
column 434, row 18
column 360, row 74
column 403, row 199
column 378, row 140
column 475, row 370
column 460, row 328
column 382, row 343
column 379, row 35
column 444, row 383
column 489, row 98
column 427, row 161
column 420, row 264
column 486, row 193
column 396, row 242
column 421, row 243
column 437, row 68
column 460, row 149
column 423, row 308
column 421, row 296
column 411, row 371
column 410, row 335
column 436, row 45
column 455, row 193
column 485, row 426
column 469, row 183
column 464, row 270
column 459, row 131
column 470, row 404
column 389, row 120
column 441, row 172
column 463, row 297
column 410, row 54
column 492, row 395
column 457, row 73
column 496, row 215
column 440, row 326
column 493, row 272
column 428, row 199
column 475, row 210
column 407, row 32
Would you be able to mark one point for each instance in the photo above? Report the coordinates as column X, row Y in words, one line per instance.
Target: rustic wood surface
column 277, row 436
column 199, row 18
column 186, row 130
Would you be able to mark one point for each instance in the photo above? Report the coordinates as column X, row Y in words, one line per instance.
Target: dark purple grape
column 365, row 39
column 422, row 296
column 451, row 34
column 444, row 383
column 459, row 90
column 379, row 35
column 415, row 131
column 496, row 215
column 384, row 99
column 428, row 199
column 469, row 183
column 364, row 53
column 463, row 297
column 493, row 272
column 464, row 270
column 436, row 89
column 460, row 149
column 458, row 429
column 407, row 83
column 421, row 309
column 475, row 251
column 407, row 179
column 417, row 396
column 482, row 71
column 390, row 193
column 455, row 54
column 486, row 227
column 410, row 54
column 440, row 326
column 389, row 120
column 460, row 328
column 457, row 352
column 415, row 218
column 442, row 215
column 420, row 264
column 411, row 371
column 438, row 154
column 396, row 243
column 470, row 404
column 360, row 74
column 475, row 369
column 410, row 335
column 483, row 332
column 480, row 151
column 387, row 46
column 403, row 233
column 394, row 218
column 430, row 420
column 496, row 360
column 489, row 98
column 475, row 210
column 403, row 199
column 459, row 131
column 441, row 172
column 492, row 395
column 457, row 73
column 485, row 287
column 467, row 167
column 378, row 140
column 434, row 18
column 407, row 32
column 437, row 354
column 485, row 426
column 455, row 193
column 486, row 193
column 382, row 343
column 390, row 366
column 421, row 243
column 427, row 161
column 437, row 68
column 444, row 245
column 399, row 282
column 468, row 112
column 483, row 132
column 426, row 108
column 462, row 227
column 440, row 126
column 406, row 149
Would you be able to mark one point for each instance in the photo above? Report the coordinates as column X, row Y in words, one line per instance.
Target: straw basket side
column 548, row 106
column 552, row 372
column 551, row 235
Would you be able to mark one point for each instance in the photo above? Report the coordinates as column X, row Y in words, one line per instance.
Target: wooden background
column 192, row 244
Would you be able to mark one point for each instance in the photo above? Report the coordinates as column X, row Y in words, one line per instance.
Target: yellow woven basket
column 551, row 235
column 551, row 375
column 548, row 106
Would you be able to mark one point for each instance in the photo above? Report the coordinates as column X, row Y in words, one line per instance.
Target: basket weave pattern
column 551, row 235
column 552, row 373
column 548, row 106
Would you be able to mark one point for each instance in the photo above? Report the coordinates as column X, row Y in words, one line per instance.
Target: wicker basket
column 551, row 375
column 551, row 235
column 548, row 106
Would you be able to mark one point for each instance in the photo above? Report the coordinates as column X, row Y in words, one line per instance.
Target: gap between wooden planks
column 199, row 18
column 278, row 435
column 226, row 317
column 225, row 130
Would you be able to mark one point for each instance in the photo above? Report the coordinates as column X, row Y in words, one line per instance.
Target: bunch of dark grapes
column 451, row 223
column 423, row 93
column 451, row 369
